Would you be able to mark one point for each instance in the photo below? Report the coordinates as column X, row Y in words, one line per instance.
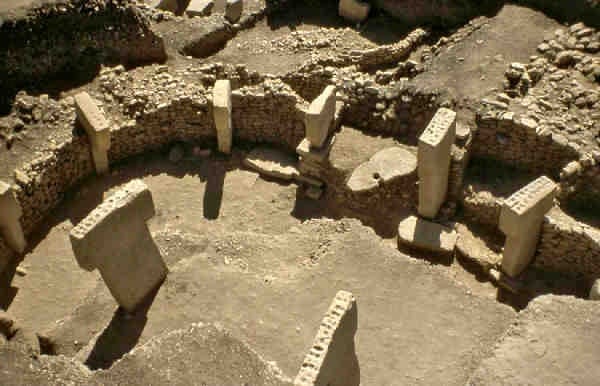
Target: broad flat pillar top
column 437, row 129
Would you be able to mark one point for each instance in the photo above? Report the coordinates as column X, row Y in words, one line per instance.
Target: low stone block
column 272, row 162
column 10, row 213
column 222, row 114
column 233, row 10
column 385, row 166
column 354, row 10
column 320, row 116
column 434, row 152
column 418, row 233
column 97, row 128
column 115, row 239
column 332, row 360
column 200, row 8
column 521, row 220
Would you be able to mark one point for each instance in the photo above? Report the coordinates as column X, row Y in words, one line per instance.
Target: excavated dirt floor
column 262, row 260
column 251, row 255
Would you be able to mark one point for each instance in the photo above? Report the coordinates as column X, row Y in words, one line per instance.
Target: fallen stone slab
column 354, row 10
column 272, row 162
column 385, row 166
column 421, row 234
column 554, row 341
column 200, row 8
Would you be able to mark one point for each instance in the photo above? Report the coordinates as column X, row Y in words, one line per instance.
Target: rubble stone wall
column 569, row 246
column 514, row 141
column 69, row 35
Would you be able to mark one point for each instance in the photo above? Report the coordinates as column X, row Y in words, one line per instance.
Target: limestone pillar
column 521, row 220
column 332, row 360
column 354, row 10
column 10, row 213
column 97, row 128
column 434, row 151
column 222, row 114
column 319, row 117
column 115, row 239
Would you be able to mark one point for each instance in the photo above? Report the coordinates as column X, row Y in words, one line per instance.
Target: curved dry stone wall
column 71, row 36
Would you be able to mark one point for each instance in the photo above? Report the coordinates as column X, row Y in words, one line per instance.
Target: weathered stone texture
column 568, row 246
column 332, row 358
column 505, row 137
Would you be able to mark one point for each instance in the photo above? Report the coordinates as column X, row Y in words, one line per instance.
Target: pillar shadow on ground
column 213, row 194
column 120, row 336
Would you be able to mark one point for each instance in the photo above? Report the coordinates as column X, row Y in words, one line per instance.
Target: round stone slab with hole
column 385, row 166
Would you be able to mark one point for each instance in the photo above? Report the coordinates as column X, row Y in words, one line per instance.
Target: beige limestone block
column 354, row 10
column 521, row 220
column 332, row 360
column 115, row 239
column 434, row 151
column 222, row 114
column 97, row 128
column 10, row 213
column 419, row 233
column 319, row 117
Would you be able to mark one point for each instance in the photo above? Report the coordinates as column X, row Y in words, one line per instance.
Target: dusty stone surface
column 484, row 252
column 272, row 162
column 552, row 342
column 423, row 234
column 384, row 167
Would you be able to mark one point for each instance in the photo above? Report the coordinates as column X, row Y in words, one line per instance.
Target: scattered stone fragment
column 272, row 162
column 421, row 234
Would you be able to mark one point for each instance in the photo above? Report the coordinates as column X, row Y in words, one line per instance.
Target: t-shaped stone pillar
column 97, row 128
column 332, row 360
column 521, row 220
column 115, row 239
column 435, row 146
column 222, row 114
column 319, row 117
column 10, row 213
